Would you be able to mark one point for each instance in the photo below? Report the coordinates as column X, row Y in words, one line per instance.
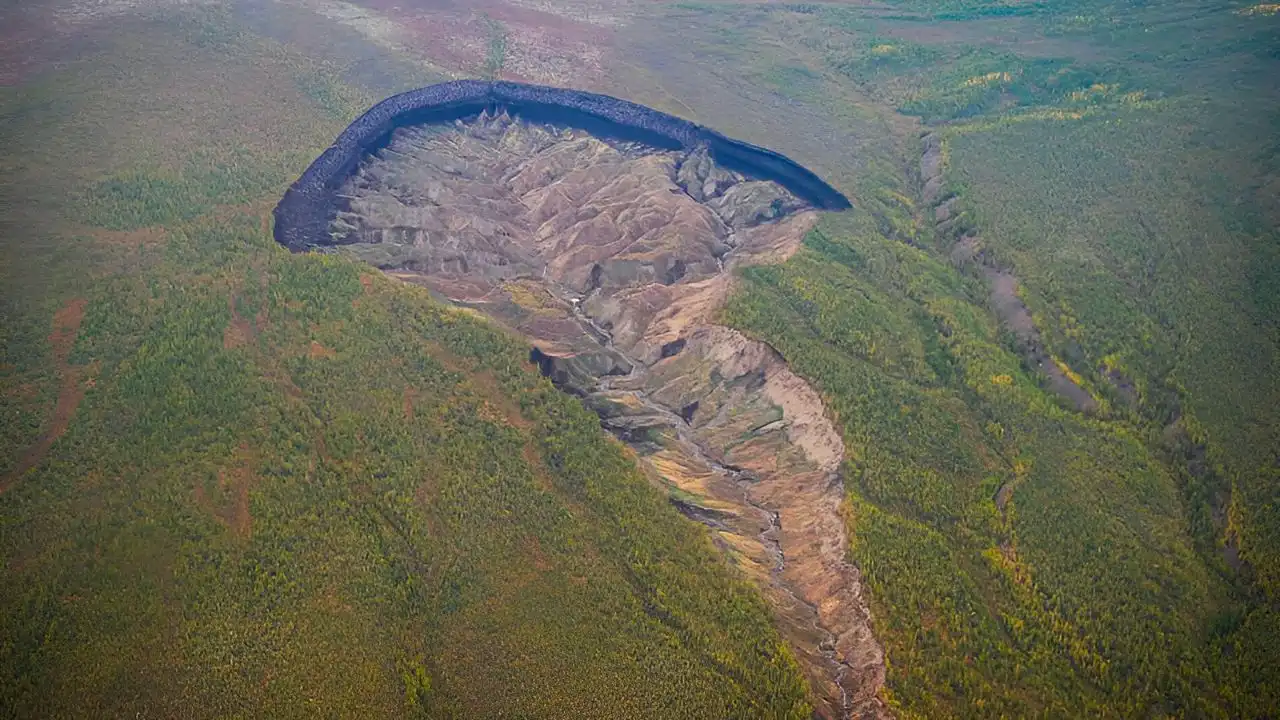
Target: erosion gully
column 690, row 446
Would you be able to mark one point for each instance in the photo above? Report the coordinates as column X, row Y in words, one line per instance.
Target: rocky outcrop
column 613, row 257
column 303, row 215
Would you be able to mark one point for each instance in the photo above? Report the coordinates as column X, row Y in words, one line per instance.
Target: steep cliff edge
column 303, row 214
column 612, row 256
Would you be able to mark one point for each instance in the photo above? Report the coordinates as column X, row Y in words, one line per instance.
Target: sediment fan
column 302, row 218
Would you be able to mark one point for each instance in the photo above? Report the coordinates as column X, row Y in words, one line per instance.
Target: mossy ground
column 1026, row 560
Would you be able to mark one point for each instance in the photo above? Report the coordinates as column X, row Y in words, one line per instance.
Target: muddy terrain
column 613, row 258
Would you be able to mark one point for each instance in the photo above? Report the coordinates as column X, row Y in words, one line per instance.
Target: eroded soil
column 613, row 260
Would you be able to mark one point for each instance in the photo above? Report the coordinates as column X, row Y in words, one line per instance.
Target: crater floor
column 612, row 259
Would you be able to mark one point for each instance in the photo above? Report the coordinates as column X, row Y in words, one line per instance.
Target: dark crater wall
column 303, row 216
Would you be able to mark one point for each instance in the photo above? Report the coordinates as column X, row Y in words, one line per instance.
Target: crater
column 608, row 234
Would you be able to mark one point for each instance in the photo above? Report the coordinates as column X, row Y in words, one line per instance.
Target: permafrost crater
column 606, row 233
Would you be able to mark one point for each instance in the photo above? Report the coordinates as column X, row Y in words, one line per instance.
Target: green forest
column 236, row 482
column 292, row 487
column 1028, row 560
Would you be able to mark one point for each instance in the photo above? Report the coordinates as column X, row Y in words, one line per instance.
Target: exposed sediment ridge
column 612, row 256
column 303, row 215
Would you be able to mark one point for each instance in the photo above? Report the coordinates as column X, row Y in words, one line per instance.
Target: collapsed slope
column 284, row 486
column 612, row 257
column 302, row 216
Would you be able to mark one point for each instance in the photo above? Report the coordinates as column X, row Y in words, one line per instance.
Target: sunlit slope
column 239, row 482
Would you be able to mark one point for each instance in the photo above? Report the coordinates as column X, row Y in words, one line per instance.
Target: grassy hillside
column 242, row 483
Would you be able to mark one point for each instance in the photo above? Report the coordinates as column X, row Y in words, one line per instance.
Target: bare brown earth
column 23, row 44
column 613, row 260
column 72, row 385
column 558, row 43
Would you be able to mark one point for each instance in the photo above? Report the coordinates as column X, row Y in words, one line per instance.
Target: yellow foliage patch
column 1071, row 374
column 990, row 78
column 1093, row 91
column 531, row 298
column 1261, row 9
